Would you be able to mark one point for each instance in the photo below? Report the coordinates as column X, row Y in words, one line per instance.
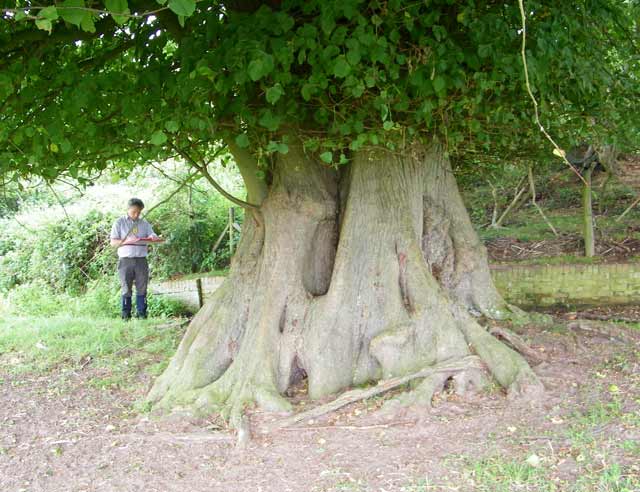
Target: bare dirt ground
column 58, row 433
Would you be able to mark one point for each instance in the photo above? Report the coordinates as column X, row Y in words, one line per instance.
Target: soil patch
column 58, row 433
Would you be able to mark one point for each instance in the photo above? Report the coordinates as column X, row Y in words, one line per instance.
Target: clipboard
column 142, row 241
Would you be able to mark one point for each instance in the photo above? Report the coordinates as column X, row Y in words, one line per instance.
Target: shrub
column 57, row 263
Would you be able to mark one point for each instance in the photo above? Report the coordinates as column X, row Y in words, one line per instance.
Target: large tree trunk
column 346, row 279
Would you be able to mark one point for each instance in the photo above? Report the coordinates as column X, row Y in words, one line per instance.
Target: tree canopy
column 86, row 85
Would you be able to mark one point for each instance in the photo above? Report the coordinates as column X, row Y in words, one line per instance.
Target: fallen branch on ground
column 517, row 343
column 599, row 329
column 608, row 317
column 455, row 366
column 350, row 427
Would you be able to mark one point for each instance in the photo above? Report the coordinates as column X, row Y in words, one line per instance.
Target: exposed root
column 232, row 399
column 421, row 395
column 470, row 379
column 516, row 316
column 448, row 368
column 517, row 343
column 506, row 365
column 244, row 433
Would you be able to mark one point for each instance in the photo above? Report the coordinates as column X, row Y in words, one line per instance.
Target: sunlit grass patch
column 120, row 348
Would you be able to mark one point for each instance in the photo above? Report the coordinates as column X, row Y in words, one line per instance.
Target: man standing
column 132, row 256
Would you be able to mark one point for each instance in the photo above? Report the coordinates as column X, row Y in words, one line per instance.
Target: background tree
column 359, row 261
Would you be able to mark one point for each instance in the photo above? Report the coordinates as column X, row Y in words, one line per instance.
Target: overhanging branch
column 205, row 172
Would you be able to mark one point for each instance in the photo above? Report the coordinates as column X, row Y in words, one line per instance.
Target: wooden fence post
column 200, row 292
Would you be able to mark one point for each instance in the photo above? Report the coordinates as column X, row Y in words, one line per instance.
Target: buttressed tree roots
column 346, row 277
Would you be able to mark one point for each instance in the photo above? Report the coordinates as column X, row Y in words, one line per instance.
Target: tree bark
column 347, row 279
column 452, row 249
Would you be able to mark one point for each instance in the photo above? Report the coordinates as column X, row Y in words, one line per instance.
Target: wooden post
column 587, row 214
column 231, row 221
column 200, row 292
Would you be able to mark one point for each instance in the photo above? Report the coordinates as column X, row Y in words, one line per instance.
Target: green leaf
column 341, row 68
column 72, row 11
column 87, row 23
column 45, row 18
column 242, row 141
column 44, row 24
column 255, row 69
column 172, row 126
column 327, row 22
column 327, row 157
column 280, row 147
column 358, row 89
column 354, row 56
column 20, row 15
column 50, row 13
column 158, row 137
column 439, row 84
column 183, row 7
column 205, row 71
column 484, row 50
column 306, row 91
column 274, row 93
column 119, row 10
column 260, row 67
column 65, row 146
column 270, row 121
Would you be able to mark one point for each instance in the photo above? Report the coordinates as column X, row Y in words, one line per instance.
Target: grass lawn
column 42, row 344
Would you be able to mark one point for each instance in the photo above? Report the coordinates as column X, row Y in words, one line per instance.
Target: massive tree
column 358, row 260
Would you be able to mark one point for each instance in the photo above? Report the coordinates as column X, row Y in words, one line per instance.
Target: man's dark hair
column 136, row 202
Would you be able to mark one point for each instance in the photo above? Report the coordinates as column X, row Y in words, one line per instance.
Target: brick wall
column 525, row 285
column 188, row 291
column 547, row 285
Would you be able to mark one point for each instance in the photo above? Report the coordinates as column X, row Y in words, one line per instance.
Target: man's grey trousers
column 133, row 270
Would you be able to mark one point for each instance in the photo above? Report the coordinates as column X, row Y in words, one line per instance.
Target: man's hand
column 130, row 240
column 116, row 243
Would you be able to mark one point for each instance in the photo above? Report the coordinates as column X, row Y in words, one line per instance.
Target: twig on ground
column 608, row 317
column 628, row 209
column 350, row 427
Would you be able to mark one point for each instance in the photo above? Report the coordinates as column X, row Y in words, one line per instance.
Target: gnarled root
column 442, row 371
